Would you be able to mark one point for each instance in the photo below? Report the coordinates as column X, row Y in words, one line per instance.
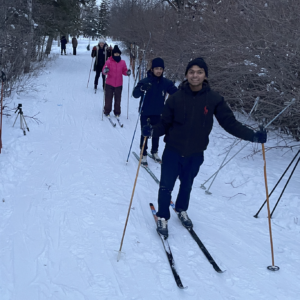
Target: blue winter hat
column 197, row 62
column 158, row 62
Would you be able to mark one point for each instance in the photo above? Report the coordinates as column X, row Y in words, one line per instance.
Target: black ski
column 119, row 122
column 201, row 246
column 168, row 252
column 111, row 121
column 147, row 169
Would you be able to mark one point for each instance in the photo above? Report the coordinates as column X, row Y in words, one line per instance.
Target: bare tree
column 251, row 48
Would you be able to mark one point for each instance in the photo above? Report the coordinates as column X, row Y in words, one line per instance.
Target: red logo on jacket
column 205, row 110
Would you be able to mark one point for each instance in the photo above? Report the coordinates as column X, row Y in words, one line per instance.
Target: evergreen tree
column 104, row 18
column 90, row 19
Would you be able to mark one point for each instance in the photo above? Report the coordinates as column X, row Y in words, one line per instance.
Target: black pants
column 98, row 72
column 63, row 49
column 155, row 141
column 74, row 50
column 173, row 166
column 110, row 93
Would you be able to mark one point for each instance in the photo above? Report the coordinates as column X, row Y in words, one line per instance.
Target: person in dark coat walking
column 157, row 88
column 186, row 122
column 63, row 43
column 100, row 52
column 74, row 44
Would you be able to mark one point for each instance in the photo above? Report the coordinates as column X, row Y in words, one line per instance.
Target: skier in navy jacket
column 157, row 88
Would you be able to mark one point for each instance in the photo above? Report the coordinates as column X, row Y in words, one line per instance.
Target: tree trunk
column 30, row 38
column 49, row 45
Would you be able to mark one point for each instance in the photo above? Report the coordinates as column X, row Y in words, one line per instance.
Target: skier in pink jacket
column 114, row 68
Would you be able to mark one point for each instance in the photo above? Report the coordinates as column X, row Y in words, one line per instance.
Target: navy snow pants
column 174, row 166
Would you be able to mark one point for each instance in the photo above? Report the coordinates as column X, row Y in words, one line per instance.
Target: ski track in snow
column 65, row 191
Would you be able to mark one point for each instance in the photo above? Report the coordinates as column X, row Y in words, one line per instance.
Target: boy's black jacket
column 187, row 120
column 155, row 97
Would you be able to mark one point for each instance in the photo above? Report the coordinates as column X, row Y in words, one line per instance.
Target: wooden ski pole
column 273, row 267
column 137, row 173
column 90, row 73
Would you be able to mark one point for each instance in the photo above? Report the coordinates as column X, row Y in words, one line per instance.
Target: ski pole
column 285, row 186
column 288, row 105
column 273, row 267
column 3, row 78
column 90, row 73
column 234, row 142
column 128, row 96
column 137, row 173
column 136, row 125
column 256, row 215
column 104, row 85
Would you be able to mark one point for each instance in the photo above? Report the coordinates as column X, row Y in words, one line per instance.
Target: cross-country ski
column 201, row 246
column 168, row 252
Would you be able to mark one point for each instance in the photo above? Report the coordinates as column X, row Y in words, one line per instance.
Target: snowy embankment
column 65, row 191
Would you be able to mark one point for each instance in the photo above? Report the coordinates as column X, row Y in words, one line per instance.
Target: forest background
column 251, row 47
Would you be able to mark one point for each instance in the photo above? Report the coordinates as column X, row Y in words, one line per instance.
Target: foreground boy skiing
column 186, row 122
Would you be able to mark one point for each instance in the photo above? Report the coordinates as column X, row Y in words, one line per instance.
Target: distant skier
column 186, row 122
column 63, row 43
column 114, row 68
column 157, row 88
column 74, row 44
column 99, row 52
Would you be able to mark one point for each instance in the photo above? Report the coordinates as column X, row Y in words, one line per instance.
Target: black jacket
column 63, row 42
column 187, row 120
column 100, row 56
column 155, row 97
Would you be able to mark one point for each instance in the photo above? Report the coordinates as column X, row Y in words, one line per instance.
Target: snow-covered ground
column 65, row 191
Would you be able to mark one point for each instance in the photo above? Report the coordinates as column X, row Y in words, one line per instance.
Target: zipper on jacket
column 205, row 112
column 191, row 124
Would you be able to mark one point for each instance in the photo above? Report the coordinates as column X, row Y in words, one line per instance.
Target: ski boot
column 156, row 157
column 185, row 220
column 144, row 162
column 162, row 227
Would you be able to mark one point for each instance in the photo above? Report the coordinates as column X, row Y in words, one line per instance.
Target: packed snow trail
column 65, row 191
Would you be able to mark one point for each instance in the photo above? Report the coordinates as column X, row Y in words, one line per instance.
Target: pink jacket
column 116, row 70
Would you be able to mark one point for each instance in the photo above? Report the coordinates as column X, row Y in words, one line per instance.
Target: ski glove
column 260, row 136
column 146, row 87
column 106, row 70
column 128, row 72
column 147, row 130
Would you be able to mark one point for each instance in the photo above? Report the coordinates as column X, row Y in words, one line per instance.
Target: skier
column 74, row 44
column 114, row 68
column 157, row 88
column 186, row 122
column 63, row 42
column 99, row 52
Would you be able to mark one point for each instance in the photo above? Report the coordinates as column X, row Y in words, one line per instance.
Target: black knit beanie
column 116, row 50
column 158, row 62
column 197, row 62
